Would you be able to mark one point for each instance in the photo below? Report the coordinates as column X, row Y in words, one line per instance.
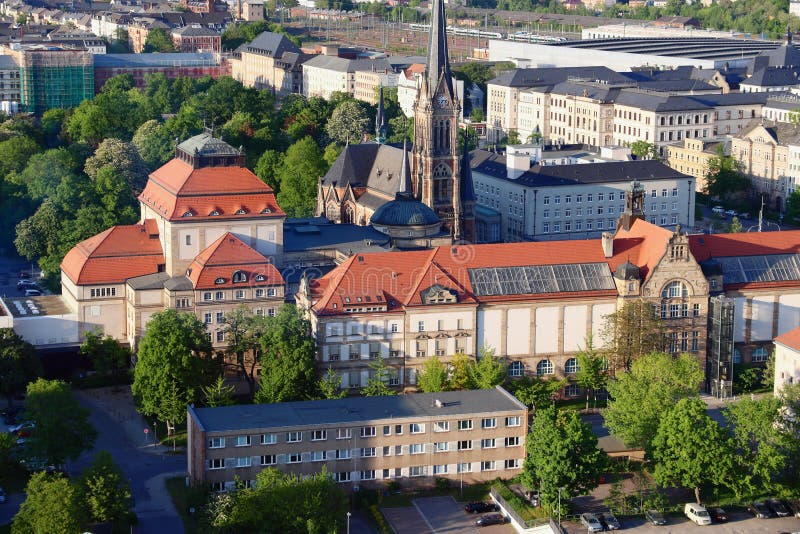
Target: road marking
column 414, row 502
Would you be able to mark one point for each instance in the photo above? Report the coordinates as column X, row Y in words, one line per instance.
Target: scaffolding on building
column 53, row 76
column 719, row 362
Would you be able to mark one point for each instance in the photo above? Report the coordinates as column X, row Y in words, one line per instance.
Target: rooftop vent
column 438, row 403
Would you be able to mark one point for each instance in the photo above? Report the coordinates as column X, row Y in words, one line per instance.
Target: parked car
column 760, row 510
column 2, row 496
column 794, row 506
column 718, row 209
column 718, row 515
column 24, row 274
column 33, row 293
column 22, row 427
column 590, row 522
column 777, row 508
column 479, row 507
column 608, row 521
column 731, row 213
column 490, row 519
column 26, row 284
column 655, row 517
column 697, row 513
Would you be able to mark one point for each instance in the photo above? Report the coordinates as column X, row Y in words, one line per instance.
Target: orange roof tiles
column 790, row 339
column 643, row 245
column 705, row 247
column 113, row 256
column 178, row 191
column 227, row 255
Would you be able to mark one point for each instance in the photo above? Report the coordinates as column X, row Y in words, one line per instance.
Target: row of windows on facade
column 353, row 352
column 365, row 452
column 372, row 474
column 335, row 330
column 245, row 440
column 239, row 294
column 580, row 226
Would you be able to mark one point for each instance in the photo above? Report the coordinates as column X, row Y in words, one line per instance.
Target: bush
column 380, row 521
column 393, row 486
column 442, row 484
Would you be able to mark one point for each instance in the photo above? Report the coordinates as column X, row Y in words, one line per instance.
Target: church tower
column 438, row 179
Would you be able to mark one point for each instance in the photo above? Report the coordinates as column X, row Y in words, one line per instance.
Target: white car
column 718, row 209
column 731, row 213
column 591, row 522
column 697, row 513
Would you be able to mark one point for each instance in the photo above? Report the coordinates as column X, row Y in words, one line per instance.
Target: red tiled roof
column 177, row 188
column 227, row 255
column 113, row 256
column 705, row 247
column 643, row 245
column 790, row 339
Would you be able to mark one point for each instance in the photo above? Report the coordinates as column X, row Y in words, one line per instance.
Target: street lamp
column 559, row 506
column 348, row 522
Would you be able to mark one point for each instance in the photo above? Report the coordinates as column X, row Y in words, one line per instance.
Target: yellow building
column 692, row 157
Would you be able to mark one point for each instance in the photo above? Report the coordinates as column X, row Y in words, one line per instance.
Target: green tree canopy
column 433, row 376
column 631, row 332
column 175, row 358
column 107, row 354
column 640, row 396
column 330, row 385
column 378, row 383
column 724, row 176
column 535, row 392
column 124, row 159
column 302, row 167
column 288, row 358
column 51, row 505
column 158, row 40
column 63, row 430
column 591, row 374
column 348, row 123
column 644, row 150
column 489, row 371
column 104, row 491
column 19, row 364
column 218, row 394
column 460, row 365
column 562, row 453
column 690, row 449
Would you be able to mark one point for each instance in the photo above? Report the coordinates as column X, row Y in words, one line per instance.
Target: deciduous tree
column 348, row 123
column 158, row 40
column 489, row 371
column 690, row 449
column 562, row 453
column 19, row 364
column 330, row 385
column 433, row 376
column 631, row 332
column 62, row 429
column 104, row 491
column 460, row 365
column 378, row 383
column 302, row 167
column 51, row 505
column 639, row 397
column 644, row 150
column 724, row 176
column 174, row 358
column 107, row 354
column 591, row 374
column 535, row 392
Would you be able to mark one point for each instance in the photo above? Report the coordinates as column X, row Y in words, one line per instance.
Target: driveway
column 741, row 523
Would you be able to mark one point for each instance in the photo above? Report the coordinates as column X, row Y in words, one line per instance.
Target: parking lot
column 437, row 515
column 740, row 523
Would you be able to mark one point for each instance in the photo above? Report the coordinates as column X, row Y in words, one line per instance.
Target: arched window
column 674, row 289
column 332, row 213
column 442, row 184
column 349, row 215
column 516, row 369
column 260, row 278
column 214, row 212
column 571, row 366
column 219, row 280
column 760, row 355
column 239, row 276
column 544, row 367
column 572, row 390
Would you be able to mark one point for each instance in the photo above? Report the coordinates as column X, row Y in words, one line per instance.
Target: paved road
column 741, row 523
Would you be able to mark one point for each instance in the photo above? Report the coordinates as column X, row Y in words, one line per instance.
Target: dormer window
column 241, row 211
column 214, row 213
column 219, row 280
column 239, row 276
column 187, row 214
column 266, row 210
column 260, row 278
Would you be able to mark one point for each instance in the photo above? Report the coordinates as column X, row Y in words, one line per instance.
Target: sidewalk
column 117, row 403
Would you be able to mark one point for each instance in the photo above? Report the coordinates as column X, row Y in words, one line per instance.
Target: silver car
column 591, row 522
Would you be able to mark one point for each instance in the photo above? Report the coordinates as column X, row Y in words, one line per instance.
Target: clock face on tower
column 442, row 101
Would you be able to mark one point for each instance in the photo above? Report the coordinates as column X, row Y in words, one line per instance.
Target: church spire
column 438, row 61
column 380, row 119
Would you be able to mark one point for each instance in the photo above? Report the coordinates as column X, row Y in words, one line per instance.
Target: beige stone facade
column 762, row 152
column 692, row 157
column 467, row 436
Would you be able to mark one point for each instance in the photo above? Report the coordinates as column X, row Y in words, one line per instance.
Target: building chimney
column 608, row 244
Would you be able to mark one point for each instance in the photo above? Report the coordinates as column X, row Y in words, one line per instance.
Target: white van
column 697, row 513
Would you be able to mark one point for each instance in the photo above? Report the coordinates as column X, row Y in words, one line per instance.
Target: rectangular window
column 674, row 191
column 600, row 197
column 488, row 443
column 512, row 441
column 220, row 295
column 398, row 429
column 269, row 439
column 416, row 448
column 421, row 326
column 513, row 421
column 387, row 430
column 319, row 435
column 243, row 461
column 343, row 454
column 367, row 452
column 220, row 317
column 220, row 336
column 343, row 476
column 488, row 422
column 216, row 463
column 268, row 459
column 465, row 467
column 440, row 469
column 259, row 293
column 398, row 450
column 465, row 424
column 546, row 201
column 368, row 475
column 465, row 445
column 343, row 433
column 318, row 456
column 696, row 310
column 240, row 294
column 242, row 441
column 416, row 471
column 294, row 458
column 394, row 327
column 578, row 198
column 441, row 446
column 512, row 464
column 216, row 443
column 207, row 318
column 695, row 341
column 441, row 426
column 487, row 465
column 367, row 431
column 294, row 437
column 416, row 428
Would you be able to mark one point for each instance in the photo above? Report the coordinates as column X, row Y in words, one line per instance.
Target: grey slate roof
column 148, row 281
column 205, row 144
column 404, row 210
column 340, row 64
column 369, row 165
column 271, row 44
column 785, row 55
column 195, row 31
column 783, row 133
column 583, row 173
column 299, row 236
column 554, row 75
column 355, row 410
column 774, row 77
column 179, row 283
column 659, row 102
column 7, row 63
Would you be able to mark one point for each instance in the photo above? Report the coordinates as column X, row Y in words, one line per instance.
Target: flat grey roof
column 354, row 410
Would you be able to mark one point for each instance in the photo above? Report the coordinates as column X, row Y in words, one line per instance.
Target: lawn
column 185, row 498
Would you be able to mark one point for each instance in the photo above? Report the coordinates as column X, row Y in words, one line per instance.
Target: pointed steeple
column 438, row 60
column 405, row 175
column 380, row 119
column 466, row 188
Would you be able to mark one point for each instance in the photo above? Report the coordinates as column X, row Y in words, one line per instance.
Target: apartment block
column 692, row 157
column 787, row 360
column 469, row 436
column 271, row 62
